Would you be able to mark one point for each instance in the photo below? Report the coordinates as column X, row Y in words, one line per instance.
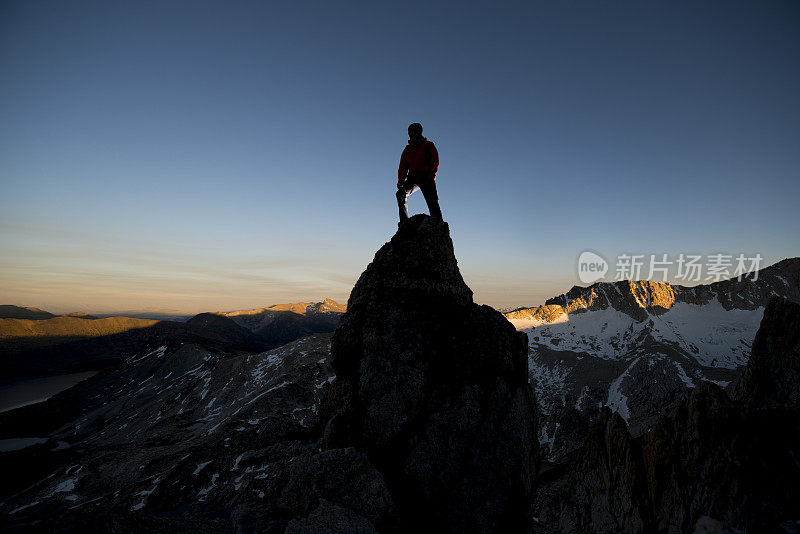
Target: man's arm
column 434, row 160
column 402, row 170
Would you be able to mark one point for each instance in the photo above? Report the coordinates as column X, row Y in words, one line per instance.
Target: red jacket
column 419, row 160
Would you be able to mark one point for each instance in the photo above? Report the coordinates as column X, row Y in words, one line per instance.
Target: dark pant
column 428, row 188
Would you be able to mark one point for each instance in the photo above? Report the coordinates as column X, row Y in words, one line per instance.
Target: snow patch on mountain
column 547, row 382
column 601, row 333
column 522, row 324
column 714, row 336
column 617, row 400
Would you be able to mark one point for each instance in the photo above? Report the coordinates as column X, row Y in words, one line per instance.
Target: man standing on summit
column 418, row 166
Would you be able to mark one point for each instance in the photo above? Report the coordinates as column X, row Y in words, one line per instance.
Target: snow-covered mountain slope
column 182, row 426
column 636, row 346
column 714, row 336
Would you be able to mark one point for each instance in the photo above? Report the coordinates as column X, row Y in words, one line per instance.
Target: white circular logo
column 591, row 267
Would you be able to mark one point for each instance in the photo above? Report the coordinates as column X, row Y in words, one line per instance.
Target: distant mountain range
column 281, row 323
column 637, row 346
column 8, row 311
column 34, row 342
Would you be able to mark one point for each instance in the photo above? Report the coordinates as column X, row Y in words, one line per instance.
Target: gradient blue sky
column 194, row 156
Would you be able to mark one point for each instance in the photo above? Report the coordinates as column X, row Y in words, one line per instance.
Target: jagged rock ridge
column 732, row 459
column 638, row 346
column 639, row 298
column 434, row 389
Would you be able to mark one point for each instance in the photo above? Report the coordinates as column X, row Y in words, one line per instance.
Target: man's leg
column 432, row 199
column 402, row 196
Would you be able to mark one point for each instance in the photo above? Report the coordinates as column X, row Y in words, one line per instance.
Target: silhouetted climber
column 418, row 166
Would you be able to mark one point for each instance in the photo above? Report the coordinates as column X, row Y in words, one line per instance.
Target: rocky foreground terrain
column 417, row 414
